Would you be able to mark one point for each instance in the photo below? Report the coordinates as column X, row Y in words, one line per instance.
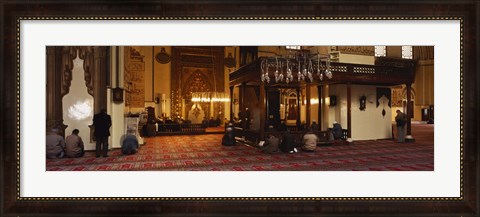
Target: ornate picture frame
column 13, row 12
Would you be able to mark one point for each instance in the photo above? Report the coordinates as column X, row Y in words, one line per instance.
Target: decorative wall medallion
column 363, row 103
column 396, row 96
column 117, row 95
column 163, row 57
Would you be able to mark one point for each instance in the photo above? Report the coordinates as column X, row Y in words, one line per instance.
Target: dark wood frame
column 467, row 205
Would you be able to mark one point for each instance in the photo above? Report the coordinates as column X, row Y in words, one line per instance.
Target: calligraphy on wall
column 397, row 96
column 134, row 78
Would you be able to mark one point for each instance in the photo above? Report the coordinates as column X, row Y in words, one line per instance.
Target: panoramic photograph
column 240, row 108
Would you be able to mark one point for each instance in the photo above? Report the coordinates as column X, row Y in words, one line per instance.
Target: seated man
column 283, row 126
column 272, row 144
column 229, row 137
column 74, row 145
column 205, row 122
column 337, row 131
column 271, row 129
column 211, row 122
column 151, row 129
column 129, row 145
column 288, row 143
column 314, row 126
column 310, row 140
column 161, row 126
column 55, row 144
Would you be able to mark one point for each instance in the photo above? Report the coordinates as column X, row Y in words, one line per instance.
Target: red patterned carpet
column 205, row 153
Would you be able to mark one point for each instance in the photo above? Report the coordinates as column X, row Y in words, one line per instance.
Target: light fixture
column 210, row 97
column 300, row 63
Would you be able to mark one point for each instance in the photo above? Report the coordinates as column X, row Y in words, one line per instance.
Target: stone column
column 231, row 103
column 263, row 103
column 308, row 95
column 349, row 110
column 241, row 95
column 99, row 81
column 320, row 106
column 409, row 137
column 298, row 108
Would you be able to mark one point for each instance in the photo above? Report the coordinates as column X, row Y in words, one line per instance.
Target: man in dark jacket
column 102, row 123
column 337, row 131
column 401, row 120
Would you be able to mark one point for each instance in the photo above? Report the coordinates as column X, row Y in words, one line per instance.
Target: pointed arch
column 69, row 53
column 197, row 82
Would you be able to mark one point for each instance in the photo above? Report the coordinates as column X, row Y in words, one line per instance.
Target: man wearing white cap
column 337, row 131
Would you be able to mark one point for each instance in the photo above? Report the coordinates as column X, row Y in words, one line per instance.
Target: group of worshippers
column 273, row 143
column 211, row 123
column 58, row 147
column 285, row 142
column 73, row 146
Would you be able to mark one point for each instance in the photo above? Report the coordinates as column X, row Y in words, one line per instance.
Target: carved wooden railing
column 344, row 133
column 174, row 128
column 386, row 71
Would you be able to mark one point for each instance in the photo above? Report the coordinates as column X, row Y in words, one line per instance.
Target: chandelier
column 301, row 67
column 210, row 97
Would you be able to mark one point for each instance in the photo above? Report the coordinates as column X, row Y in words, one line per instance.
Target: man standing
column 401, row 120
column 75, row 147
column 102, row 123
column 55, row 144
